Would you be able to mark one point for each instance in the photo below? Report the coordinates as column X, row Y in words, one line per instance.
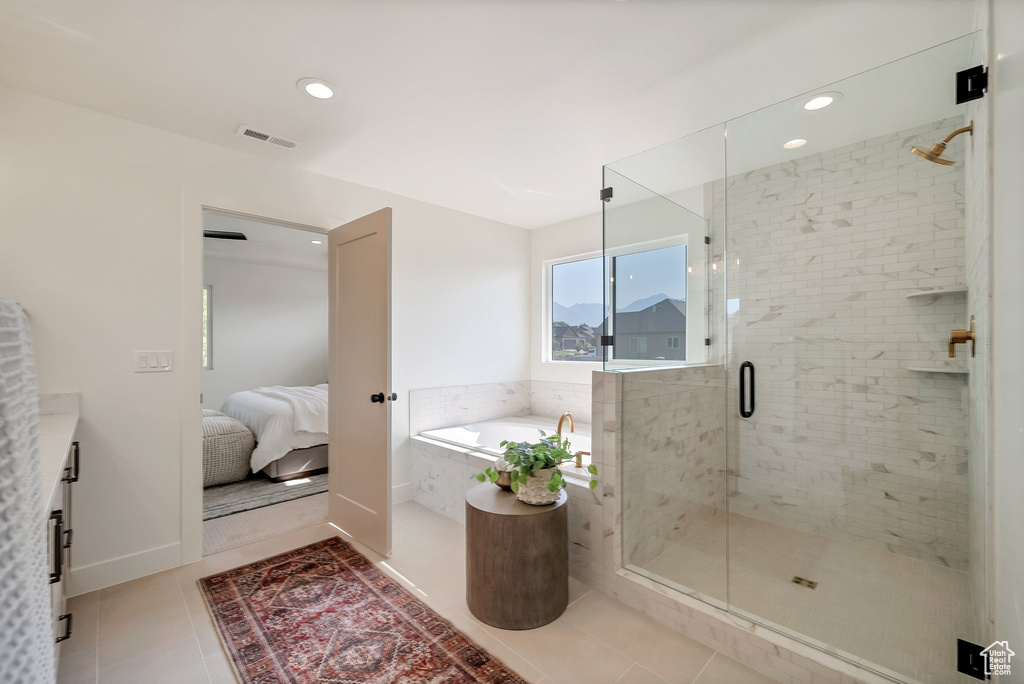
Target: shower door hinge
column 707, row 239
column 707, row 341
column 607, row 340
column 606, row 194
column 971, row 83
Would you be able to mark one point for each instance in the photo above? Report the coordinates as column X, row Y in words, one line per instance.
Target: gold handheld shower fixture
column 935, row 154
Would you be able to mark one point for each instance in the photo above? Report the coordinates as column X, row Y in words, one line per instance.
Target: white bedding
column 281, row 418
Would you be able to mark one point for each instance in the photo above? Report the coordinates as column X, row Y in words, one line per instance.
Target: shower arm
column 965, row 129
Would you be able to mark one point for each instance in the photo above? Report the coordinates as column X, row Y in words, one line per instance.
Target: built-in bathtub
column 445, row 460
column 486, row 436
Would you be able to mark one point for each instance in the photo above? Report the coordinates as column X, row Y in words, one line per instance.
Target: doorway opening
column 265, row 364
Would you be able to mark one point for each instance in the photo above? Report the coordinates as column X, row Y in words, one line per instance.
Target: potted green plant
column 533, row 468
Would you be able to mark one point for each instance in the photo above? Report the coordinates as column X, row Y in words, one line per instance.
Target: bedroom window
column 207, row 327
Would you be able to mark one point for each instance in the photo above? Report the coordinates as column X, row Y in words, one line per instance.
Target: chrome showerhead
column 935, row 154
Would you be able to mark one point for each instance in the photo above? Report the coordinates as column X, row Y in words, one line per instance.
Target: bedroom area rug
column 257, row 491
column 324, row 613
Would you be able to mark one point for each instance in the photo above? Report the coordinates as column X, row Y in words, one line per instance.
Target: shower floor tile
column 898, row 612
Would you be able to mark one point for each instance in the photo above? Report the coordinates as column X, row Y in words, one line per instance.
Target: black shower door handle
column 743, row 389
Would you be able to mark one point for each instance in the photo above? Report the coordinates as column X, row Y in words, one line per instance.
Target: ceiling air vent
column 247, row 132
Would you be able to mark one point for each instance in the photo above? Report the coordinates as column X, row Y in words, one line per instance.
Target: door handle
column 743, row 389
column 377, row 398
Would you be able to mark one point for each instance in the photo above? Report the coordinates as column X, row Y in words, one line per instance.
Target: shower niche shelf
column 939, row 369
column 936, row 291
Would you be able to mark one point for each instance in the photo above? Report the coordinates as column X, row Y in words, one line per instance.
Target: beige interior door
column 359, row 393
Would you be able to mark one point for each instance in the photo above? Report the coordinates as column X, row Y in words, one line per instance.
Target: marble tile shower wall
column 445, row 406
column 823, row 251
column 673, row 474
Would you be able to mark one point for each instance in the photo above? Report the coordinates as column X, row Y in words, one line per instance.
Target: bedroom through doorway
column 264, row 379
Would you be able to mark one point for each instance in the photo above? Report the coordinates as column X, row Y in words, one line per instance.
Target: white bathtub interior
column 486, row 436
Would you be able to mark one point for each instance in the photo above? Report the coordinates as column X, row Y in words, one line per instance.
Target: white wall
column 269, row 320
column 91, row 226
column 1007, row 92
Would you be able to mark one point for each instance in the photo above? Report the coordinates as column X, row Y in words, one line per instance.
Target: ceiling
column 502, row 108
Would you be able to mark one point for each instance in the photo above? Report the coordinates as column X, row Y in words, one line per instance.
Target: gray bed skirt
column 298, row 463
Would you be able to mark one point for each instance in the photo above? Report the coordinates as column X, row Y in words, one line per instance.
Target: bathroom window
column 647, row 297
column 647, row 293
column 576, row 305
column 207, row 327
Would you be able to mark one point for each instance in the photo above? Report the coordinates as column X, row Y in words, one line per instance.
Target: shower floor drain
column 804, row 582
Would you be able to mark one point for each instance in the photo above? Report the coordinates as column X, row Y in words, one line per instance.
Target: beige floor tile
column 77, row 668
column 220, row 669
column 577, row 590
column 151, row 585
column 669, row 655
column 178, row 663
column 142, row 621
column 565, row 653
column 638, row 674
column 723, row 670
column 202, row 624
column 188, row 575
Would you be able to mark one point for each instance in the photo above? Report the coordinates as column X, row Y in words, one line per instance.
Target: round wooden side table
column 517, row 558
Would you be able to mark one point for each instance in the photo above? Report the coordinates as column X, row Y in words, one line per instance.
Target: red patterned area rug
column 324, row 613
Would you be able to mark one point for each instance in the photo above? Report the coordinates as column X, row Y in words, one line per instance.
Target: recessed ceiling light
column 317, row 242
column 822, row 100
column 795, row 143
column 321, row 90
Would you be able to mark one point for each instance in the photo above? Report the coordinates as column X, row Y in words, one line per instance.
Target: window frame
column 547, row 310
column 682, row 240
column 207, row 331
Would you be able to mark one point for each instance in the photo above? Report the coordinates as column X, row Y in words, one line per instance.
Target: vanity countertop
column 58, row 418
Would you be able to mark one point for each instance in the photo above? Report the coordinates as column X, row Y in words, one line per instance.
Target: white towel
column 26, row 638
column 309, row 405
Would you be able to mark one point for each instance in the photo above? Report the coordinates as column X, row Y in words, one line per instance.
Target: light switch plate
column 153, row 361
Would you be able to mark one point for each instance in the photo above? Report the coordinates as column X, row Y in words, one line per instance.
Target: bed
column 290, row 426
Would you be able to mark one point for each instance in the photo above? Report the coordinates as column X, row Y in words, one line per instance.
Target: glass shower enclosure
column 794, row 434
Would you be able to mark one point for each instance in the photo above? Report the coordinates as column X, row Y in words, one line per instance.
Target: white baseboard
column 86, row 578
column 400, row 493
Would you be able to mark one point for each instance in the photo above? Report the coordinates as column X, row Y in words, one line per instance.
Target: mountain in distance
column 593, row 314
column 578, row 314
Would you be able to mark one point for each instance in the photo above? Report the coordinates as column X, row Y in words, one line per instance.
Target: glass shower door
column 848, row 476
column 657, row 291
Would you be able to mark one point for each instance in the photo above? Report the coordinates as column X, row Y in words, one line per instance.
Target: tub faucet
column 572, row 428
column 572, row 423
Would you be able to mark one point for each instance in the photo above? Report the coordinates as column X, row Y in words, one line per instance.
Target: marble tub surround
column 458, row 405
column 822, row 252
column 442, row 473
